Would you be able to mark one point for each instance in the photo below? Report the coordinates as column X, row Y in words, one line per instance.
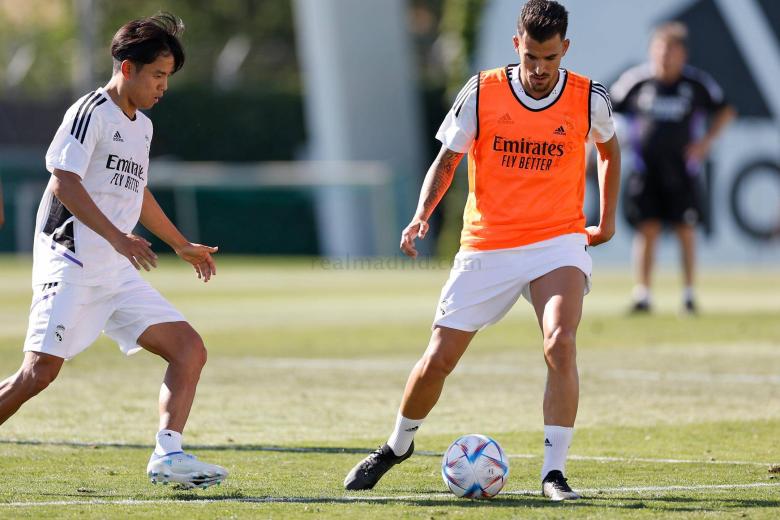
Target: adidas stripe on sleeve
column 599, row 90
column 602, row 127
column 459, row 127
column 75, row 139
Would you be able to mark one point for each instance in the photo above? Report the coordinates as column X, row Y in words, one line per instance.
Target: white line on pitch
column 348, row 499
column 427, row 453
column 666, row 461
column 703, row 487
column 596, row 458
column 653, row 489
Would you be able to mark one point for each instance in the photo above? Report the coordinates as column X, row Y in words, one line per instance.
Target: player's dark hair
column 542, row 20
column 142, row 41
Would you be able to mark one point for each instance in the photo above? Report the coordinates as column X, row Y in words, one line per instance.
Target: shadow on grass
column 677, row 503
column 666, row 503
column 669, row 504
column 207, row 447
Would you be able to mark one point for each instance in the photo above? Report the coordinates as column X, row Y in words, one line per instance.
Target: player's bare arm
column 699, row 150
column 437, row 182
column 155, row 220
column 67, row 187
column 609, row 187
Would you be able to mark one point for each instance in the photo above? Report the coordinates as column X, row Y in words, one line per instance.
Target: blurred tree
column 240, row 59
column 267, row 27
column 38, row 43
column 36, row 46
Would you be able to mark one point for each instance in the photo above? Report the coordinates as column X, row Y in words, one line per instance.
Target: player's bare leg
column 687, row 237
column 183, row 349
column 557, row 300
column 645, row 241
column 422, row 391
column 426, row 381
column 36, row 373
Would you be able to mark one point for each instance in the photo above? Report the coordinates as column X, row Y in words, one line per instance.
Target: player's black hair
column 542, row 20
column 142, row 41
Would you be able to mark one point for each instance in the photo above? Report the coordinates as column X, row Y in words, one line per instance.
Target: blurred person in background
column 525, row 128
column 666, row 104
column 86, row 258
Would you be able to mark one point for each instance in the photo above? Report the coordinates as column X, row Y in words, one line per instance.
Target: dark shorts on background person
column 664, row 190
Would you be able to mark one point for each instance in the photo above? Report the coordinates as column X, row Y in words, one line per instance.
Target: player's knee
column 189, row 350
column 196, row 351
column 651, row 229
column 436, row 365
column 202, row 354
column 560, row 348
column 36, row 377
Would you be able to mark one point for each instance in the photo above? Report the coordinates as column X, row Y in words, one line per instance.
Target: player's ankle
column 403, row 434
column 168, row 441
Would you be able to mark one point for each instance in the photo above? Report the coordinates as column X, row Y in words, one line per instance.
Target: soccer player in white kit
column 86, row 258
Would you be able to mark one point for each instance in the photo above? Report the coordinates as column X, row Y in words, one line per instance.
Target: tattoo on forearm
column 438, row 180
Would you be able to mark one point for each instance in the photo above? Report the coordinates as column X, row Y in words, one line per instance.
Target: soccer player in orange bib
column 525, row 128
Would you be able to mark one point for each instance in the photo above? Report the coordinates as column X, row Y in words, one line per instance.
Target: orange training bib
column 526, row 166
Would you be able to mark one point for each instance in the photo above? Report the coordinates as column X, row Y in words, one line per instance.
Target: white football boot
column 185, row 470
column 555, row 487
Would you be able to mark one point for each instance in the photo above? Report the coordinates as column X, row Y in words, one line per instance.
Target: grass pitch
column 678, row 417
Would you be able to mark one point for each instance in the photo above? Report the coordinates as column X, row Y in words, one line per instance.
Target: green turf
column 307, row 355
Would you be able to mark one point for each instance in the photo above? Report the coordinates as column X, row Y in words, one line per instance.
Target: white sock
column 557, row 440
column 688, row 293
column 168, row 441
column 403, row 435
column 642, row 293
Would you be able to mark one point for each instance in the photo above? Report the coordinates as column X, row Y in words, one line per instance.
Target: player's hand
column 599, row 234
column 417, row 228
column 200, row 257
column 698, row 151
column 136, row 249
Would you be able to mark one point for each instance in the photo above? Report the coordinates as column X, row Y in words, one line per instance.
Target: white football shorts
column 484, row 285
column 65, row 318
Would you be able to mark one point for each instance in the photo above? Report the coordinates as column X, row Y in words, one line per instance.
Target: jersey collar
column 102, row 90
column 534, row 105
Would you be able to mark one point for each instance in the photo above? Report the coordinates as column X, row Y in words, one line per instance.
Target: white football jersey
column 110, row 152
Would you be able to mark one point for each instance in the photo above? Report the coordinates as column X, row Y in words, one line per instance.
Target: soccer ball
column 474, row 466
